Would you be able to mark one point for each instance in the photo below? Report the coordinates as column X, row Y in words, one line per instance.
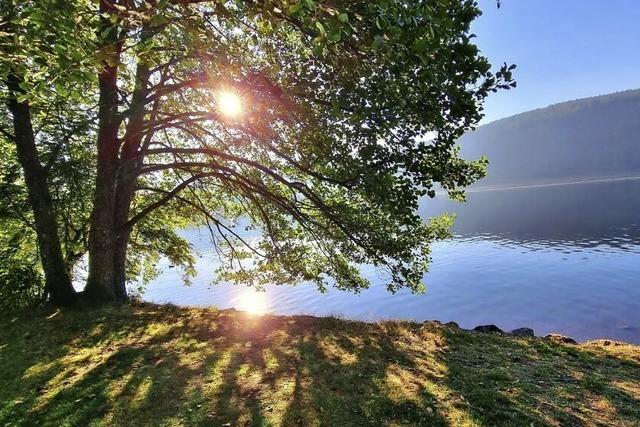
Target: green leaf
column 420, row 45
column 295, row 8
column 23, row 97
column 334, row 35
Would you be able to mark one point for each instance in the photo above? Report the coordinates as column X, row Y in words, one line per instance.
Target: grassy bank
column 162, row 365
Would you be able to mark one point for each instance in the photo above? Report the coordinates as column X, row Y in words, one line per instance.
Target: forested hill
column 588, row 138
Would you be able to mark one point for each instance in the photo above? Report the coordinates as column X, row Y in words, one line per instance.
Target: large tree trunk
column 126, row 176
column 124, row 197
column 57, row 281
column 102, row 236
column 120, row 265
column 126, row 191
column 115, row 183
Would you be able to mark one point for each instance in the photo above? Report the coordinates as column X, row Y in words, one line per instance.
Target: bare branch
column 170, row 195
column 210, row 217
column 174, row 87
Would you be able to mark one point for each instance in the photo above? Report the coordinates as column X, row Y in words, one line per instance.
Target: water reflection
column 586, row 215
column 558, row 259
column 250, row 300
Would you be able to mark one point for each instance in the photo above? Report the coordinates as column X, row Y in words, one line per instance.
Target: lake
column 558, row 258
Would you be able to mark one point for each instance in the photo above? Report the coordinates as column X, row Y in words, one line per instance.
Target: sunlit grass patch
column 163, row 365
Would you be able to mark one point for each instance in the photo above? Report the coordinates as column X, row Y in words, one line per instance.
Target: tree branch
column 210, row 217
column 170, row 195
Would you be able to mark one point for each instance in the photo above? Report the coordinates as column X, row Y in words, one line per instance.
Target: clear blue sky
column 564, row 49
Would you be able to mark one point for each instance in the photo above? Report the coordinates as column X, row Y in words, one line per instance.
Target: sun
column 229, row 103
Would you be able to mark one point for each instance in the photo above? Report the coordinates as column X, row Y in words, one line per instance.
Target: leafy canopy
column 350, row 115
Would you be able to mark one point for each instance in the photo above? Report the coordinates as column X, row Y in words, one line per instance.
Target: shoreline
column 522, row 331
column 580, row 181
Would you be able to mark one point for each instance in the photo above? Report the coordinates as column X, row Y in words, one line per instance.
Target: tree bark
column 115, row 182
column 126, row 178
column 102, row 238
column 102, row 233
column 57, row 281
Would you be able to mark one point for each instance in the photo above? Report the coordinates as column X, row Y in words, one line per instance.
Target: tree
column 350, row 113
column 21, row 282
column 27, row 63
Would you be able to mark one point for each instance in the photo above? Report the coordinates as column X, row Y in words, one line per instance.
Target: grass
column 144, row 364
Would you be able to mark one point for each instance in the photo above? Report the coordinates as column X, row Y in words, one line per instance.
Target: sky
column 563, row 49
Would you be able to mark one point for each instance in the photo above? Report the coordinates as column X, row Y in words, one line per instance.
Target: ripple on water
column 537, row 261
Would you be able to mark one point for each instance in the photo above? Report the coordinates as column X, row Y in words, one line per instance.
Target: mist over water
column 561, row 258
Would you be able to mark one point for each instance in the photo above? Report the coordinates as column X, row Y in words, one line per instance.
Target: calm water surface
column 560, row 259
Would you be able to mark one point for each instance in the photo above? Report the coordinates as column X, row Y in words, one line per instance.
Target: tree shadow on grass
column 150, row 365
column 356, row 376
column 111, row 364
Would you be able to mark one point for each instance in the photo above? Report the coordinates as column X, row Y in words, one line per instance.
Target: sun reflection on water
column 252, row 301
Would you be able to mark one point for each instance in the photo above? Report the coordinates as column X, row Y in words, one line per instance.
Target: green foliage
column 351, row 113
column 21, row 281
column 152, row 239
column 49, row 44
column 40, row 45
